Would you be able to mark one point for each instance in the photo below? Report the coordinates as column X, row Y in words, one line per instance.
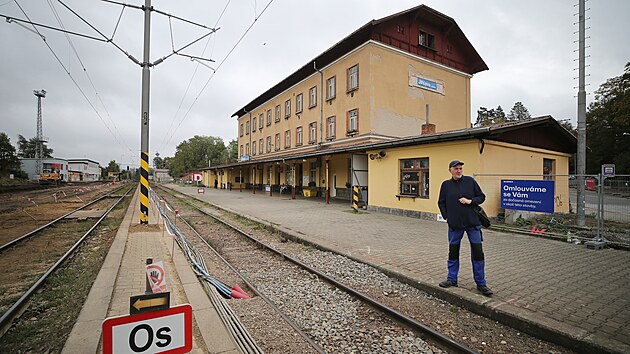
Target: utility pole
column 581, row 121
column 144, row 140
column 39, row 140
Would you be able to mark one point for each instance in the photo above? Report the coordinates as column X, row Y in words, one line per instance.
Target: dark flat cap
column 455, row 163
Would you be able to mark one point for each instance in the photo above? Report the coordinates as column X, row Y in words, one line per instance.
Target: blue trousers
column 454, row 240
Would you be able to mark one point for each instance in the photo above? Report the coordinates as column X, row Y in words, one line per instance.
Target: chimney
column 428, row 128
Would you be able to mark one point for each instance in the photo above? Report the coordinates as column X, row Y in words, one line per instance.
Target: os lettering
column 162, row 334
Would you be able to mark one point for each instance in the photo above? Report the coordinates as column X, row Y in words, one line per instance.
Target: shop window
column 414, row 177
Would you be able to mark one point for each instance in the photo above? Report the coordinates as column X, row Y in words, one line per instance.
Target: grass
column 47, row 322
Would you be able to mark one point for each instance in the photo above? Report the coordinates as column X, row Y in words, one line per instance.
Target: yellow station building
column 386, row 109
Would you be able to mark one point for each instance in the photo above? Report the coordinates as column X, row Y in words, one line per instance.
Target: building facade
column 84, row 170
column 29, row 165
column 385, row 109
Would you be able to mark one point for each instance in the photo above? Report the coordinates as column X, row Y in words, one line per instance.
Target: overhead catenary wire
column 217, row 69
column 69, row 74
column 181, row 102
column 98, row 96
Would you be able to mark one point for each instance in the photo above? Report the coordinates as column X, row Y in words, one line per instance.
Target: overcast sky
column 528, row 46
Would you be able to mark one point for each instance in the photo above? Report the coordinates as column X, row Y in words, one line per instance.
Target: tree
column 487, row 117
column 197, row 152
column 9, row 161
column 158, row 162
column 608, row 125
column 518, row 112
column 111, row 167
column 28, row 148
column 232, row 149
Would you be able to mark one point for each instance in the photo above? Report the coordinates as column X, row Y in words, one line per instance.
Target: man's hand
column 464, row 200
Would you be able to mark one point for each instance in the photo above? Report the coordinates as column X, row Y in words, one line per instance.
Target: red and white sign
column 165, row 331
column 201, row 190
column 157, row 277
column 197, row 177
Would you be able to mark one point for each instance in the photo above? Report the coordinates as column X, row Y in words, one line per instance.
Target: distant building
column 29, row 165
column 161, row 175
column 84, row 170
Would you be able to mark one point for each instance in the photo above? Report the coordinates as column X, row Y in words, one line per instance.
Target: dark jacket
column 460, row 215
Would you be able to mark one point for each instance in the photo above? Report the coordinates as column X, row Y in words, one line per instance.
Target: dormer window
column 426, row 40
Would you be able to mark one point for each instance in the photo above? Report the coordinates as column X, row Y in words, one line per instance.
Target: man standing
column 458, row 196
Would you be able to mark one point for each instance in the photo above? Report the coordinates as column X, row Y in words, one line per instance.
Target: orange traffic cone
column 239, row 293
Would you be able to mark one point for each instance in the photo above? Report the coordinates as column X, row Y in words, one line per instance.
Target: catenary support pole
column 144, row 144
column 581, row 120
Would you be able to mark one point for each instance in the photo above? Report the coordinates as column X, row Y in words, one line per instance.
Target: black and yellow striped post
column 355, row 198
column 144, row 188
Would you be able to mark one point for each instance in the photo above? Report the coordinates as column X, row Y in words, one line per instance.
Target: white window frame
column 312, row 97
column 353, row 77
column 277, row 146
column 287, row 139
column 298, row 136
column 331, row 88
column 277, row 113
column 353, row 121
column 331, row 124
column 269, row 117
column 312, row 133
column 299, row 103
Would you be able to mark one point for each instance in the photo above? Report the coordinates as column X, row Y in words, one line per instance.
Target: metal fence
column 606, row 204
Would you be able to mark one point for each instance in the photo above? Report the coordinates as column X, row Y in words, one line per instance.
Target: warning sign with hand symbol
column 157, row 277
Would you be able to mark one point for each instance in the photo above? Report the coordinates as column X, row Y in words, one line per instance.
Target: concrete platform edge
column 86, row 332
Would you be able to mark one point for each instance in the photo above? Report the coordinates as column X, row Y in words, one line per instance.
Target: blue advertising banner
column 527, row 195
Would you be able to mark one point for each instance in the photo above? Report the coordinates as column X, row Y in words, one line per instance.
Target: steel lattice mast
column 40, row 140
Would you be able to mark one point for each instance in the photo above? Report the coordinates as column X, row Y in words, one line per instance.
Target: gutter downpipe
column 321, row 121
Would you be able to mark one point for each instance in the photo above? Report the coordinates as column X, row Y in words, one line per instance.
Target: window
column 287, row 139
column 254, row 124
column 277, row 146
column 261, row 121
column 353, row 78
column 352, row 122
column 312, row 176
column 330, row 128
column 298, row 136
column 254, row 148
column 548, row 169
column 312, row 97
column 247, row 128
column 277, row 113
column 241, row 150
column 331, row 88
column 414, row 177
column 268, row 117
column 269, row 144
column 241, row 129
column 247, row 149
column 426, row 40
column 299, row 103
column 260, row 146
column 312, row 133
column 287, row 109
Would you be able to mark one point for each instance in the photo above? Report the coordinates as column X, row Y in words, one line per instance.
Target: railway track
column 49, row 224
column 28, row 256
column 370, row 318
